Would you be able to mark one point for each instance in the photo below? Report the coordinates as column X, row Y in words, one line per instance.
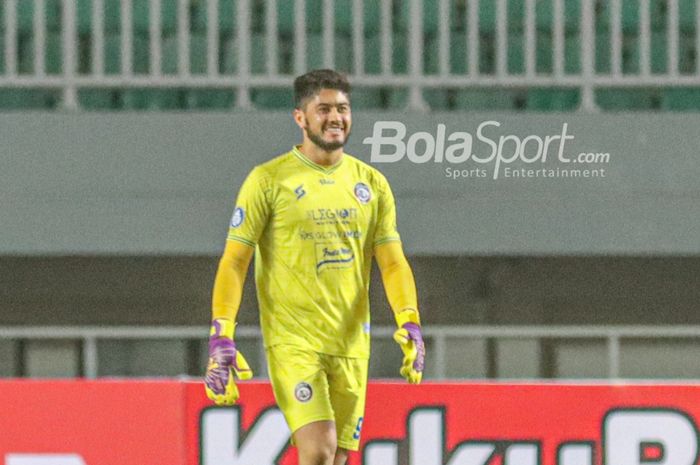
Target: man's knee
column 321, row 454
column 317, row 443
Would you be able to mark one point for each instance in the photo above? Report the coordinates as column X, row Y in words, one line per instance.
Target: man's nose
column 334, row 115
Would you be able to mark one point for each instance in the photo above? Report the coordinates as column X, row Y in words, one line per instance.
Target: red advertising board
column 173, row 423
column 483, row 424
column 93, row 423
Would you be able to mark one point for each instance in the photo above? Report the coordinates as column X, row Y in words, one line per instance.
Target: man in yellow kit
column 314, row 217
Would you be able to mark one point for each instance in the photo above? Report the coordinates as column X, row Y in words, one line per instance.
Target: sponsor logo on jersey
column 325, row 181
column 362, row 192
column 238, row 217
column 300, row 192
column 333, row 255
column 303, row 392
column 358, row 428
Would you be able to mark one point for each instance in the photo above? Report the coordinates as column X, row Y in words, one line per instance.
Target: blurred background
column 128, row 126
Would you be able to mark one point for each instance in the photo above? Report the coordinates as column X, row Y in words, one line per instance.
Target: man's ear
column 299, row 118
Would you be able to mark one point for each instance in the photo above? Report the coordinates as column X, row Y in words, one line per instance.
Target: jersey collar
column 324, row 169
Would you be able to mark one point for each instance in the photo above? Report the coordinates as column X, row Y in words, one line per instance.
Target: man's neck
column 319, row 156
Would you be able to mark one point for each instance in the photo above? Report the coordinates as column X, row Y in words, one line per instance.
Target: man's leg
column 341, row 456
column 317, row 443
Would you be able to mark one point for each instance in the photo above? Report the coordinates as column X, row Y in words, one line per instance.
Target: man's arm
column 230, row 277
column 400, row 288
column 224, row 358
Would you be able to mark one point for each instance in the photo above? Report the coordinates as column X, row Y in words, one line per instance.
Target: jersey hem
column 387, row 239
column 318, row 351
column 240, row 239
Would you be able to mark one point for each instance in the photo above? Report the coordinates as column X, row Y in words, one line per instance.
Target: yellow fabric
column 230, row 276
column 316, row 229
column 399, row 283
column 227, row 327
column 300, row 382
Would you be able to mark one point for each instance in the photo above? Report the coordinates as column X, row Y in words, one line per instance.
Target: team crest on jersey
column 238, row 217
column 303, row 392
column 362, row 192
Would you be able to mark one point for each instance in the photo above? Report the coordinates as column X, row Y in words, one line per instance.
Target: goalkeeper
column 314, row 216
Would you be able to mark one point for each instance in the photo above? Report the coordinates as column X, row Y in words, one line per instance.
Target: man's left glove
column 410, row 339
column 224, row 361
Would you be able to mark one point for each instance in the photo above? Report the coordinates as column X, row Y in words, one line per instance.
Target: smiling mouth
column 334, row 131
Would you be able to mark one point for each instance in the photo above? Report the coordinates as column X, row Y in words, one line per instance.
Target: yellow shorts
column 311, row 387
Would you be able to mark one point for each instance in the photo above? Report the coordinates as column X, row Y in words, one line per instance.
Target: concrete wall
column 135, row 184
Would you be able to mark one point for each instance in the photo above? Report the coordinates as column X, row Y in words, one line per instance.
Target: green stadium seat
column 457, row 56
column 140, row 57
column 681, row 99
column 488, row 14
column 170, row 55
column 437, row 99
column 394, row 99
column 485, row 100
column 516, row 53
column 270, row 98
column 431, row 16
column 211, row 99
column 363, row 98
column 629, row 16
column 154, row 99
column 687, row 11
column 228, row 54
column 141, row 15
column 544, row 15
column 687, row 60
column 552, row 99
column 99, row 99
column 227, row 16
column 29, row 99
column 112, row 57
column 52, row 54
column 84, row 16
column 399, row 52
column 628, row 99
column 285, row 15
column 198, row 54
column 53, row 15
column 371, row 17
column 25, row 17
column 112, row 17
column 315, row 50
column 53, row 58
column 631, row 54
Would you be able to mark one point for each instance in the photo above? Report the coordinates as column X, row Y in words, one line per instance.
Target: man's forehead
column 330, row 97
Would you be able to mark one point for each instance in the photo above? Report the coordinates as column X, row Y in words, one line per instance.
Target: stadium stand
column 625, row 41
column 226, row 55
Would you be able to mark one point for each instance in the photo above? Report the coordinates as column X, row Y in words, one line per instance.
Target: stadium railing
column 419, row 53
column 446, row 344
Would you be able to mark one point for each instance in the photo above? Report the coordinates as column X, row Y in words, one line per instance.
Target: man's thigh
column 300, row 384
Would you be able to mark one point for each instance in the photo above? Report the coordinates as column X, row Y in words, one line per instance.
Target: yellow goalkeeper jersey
column 314, row 229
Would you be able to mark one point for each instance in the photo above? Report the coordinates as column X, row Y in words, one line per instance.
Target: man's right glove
column 224, row 361
column 410, row 339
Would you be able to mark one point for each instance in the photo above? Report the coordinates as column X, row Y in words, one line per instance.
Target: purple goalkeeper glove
column 224, row 361
column 410, row 339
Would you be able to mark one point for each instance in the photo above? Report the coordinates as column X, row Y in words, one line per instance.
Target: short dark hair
column 310, row 84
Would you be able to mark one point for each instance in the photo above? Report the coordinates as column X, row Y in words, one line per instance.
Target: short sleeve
column 252, row 209
column 386, row 214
